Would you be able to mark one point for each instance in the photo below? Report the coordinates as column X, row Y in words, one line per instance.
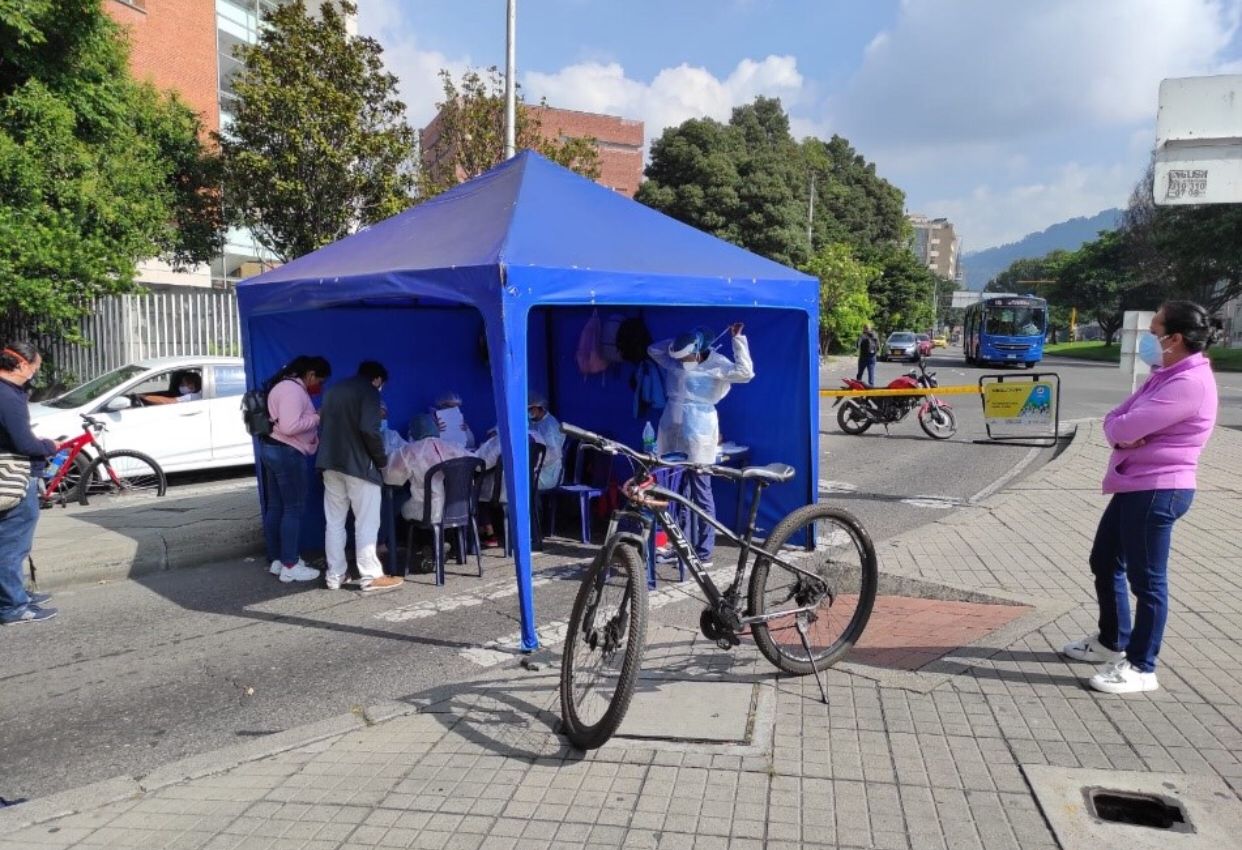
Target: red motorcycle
column 936, row 418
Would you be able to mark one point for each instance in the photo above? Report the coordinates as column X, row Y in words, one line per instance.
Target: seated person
column 545, row 428
column 452, row 401
column 189, row 388
column 425, row 450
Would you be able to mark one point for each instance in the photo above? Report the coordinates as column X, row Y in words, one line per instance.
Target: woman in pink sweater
column 1156, row 435
column 294, row 438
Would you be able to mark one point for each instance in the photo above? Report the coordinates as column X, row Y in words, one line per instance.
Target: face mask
column 185, row 389
column 1149, row 349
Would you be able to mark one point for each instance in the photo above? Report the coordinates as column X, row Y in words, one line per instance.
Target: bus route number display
column 1018, row 403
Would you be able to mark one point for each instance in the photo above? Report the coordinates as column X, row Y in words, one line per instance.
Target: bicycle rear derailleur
column 721, row 625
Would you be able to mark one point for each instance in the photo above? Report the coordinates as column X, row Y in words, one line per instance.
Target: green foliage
column 97, row 172
column 1094, row 280
column 904, row 290
column 749, row 182
column 844, row 304
column 472, row 134
column 319, row 145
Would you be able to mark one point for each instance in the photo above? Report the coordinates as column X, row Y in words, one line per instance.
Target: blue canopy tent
column 520, row 257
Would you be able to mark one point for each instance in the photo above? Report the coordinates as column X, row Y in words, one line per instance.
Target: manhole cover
column 673, row 710
column 1094, row 809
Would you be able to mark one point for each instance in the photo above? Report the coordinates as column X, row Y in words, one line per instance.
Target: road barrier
column 963, row 389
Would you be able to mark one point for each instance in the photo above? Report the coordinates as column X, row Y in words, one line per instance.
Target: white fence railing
column 127, row 328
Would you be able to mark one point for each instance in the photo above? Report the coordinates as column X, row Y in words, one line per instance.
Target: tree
column 97, row 171
column 844, row 305
column 319, row 145
column 903, row 291
column 471, row 140
column 1192, row 252
column 852, row 203
column 1095, row 280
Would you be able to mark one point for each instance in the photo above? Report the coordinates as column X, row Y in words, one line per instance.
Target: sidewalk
column 127, row 538
column 946, row 756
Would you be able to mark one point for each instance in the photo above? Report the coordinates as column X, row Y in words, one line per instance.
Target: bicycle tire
column 846, row 421
column 930, row 430
column 70, row 488
column 777, row 647
column 581, row 641
column 139, row 474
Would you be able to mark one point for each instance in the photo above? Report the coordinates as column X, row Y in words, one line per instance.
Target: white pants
column 342, row 492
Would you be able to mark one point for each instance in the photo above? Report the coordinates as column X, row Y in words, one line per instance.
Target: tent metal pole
column 510, row 81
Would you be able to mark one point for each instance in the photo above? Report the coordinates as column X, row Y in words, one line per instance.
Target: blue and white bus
column 1001, row 329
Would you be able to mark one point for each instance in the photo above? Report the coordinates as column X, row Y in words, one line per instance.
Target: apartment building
column 937, row 245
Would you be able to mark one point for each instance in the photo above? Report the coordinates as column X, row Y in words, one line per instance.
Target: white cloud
column 984, row 70
column 672, row 96
column 988, row 216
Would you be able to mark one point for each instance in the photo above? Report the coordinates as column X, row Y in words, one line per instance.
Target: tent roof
column 526, row 212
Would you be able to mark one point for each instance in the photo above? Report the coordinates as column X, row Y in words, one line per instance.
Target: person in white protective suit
column 415, row 458
column 695, row 380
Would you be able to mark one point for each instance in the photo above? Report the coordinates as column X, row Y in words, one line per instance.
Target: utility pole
column 511, row 81
column 810, row 216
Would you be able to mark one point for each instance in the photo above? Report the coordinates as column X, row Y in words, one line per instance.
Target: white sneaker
column 332, row 583
column 299, row 572
column 277, row 566
column 1090, row 649
column 1121, row 678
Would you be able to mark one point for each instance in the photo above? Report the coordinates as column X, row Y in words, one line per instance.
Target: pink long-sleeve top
column 296, row 422
column 1170, row 417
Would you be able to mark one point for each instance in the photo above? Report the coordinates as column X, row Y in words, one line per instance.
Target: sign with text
column 1018, row 407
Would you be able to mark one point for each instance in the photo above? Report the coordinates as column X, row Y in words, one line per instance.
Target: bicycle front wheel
column 124, row 473
column 604, row 647
column 832, row 545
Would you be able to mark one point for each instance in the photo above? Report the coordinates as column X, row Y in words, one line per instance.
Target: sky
column 1004, row 117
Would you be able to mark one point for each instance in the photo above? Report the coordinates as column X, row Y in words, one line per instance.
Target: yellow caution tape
column 964, row 389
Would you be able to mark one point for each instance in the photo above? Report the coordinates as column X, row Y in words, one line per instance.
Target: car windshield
column 92, row 390
column 900, row 339
column 1015, row 321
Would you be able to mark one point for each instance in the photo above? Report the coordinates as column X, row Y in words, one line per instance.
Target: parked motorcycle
column 856, row 415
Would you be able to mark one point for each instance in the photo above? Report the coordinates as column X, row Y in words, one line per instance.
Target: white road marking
column 553, row 634
column 943, row 503
column 827, row 486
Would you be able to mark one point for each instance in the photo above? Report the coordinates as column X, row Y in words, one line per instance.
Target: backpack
column 866, row 345
column 255, row 415
column 633, row 340
column 590, row 350
column 608, row 338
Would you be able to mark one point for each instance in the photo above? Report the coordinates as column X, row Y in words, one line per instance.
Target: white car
column 201, row 433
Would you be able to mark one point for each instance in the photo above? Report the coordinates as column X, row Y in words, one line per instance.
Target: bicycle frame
column 75, row 446
column 686, row 553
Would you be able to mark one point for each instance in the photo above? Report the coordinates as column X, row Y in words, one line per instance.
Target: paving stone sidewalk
column 910, row 760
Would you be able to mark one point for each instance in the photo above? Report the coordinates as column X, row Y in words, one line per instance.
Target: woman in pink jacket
column 1156, row 435
column 294, row 438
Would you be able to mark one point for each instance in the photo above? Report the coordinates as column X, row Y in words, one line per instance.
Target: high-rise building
column 620, row 142
column 936, row 245
column 187, row 46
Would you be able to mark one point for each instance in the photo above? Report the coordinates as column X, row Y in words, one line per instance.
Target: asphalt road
column 137, row 673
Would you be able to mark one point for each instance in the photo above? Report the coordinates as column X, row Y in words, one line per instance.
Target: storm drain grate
column 1146, row 810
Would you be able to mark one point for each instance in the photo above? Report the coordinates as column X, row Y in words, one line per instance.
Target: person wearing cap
column 545, row 429
column 696, row 378
column 450, row 401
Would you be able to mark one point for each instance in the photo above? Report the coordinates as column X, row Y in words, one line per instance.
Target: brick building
column 620, row 142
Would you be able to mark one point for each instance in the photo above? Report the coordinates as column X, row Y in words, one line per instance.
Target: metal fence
column 127, row 328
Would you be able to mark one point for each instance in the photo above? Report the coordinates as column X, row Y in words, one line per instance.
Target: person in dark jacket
column 868, row 348
column 351, row 457
column 19, row 363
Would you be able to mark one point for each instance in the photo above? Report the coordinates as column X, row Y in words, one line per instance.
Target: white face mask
column 185, row 389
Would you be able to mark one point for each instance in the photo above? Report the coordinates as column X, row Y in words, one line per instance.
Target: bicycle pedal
column 725, row 643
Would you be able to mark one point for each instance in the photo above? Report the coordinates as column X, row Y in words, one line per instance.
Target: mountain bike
column 99, row 472
column 809, row 591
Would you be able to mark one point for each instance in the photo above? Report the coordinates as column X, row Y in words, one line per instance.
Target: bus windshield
column 1015, row 321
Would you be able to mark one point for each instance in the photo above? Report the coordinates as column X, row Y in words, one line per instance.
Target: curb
column 75, row 800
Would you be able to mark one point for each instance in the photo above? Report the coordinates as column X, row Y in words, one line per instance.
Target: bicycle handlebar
column 647, row 460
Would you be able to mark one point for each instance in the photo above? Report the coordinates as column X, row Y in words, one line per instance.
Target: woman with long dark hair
column 294, row 438
column 1156, row 435
column 19, row 363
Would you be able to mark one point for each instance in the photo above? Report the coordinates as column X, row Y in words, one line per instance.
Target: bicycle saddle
column 773, row 473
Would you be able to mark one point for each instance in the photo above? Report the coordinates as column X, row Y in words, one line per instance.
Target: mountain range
column 981, row 266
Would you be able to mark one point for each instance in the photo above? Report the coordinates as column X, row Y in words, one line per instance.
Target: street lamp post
column 510, row 81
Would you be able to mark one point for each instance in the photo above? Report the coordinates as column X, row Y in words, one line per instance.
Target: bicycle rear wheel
column 70, row 488
column 843, row 558
column 124, row 473
column 604, row 647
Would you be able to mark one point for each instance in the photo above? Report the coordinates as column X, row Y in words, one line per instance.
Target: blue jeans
column 866, row 364
column 1131, row 553
column 285, row 472
column 702, row 535
column 17, row 528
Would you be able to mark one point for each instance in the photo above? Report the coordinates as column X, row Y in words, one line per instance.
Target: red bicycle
column 90, row 470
